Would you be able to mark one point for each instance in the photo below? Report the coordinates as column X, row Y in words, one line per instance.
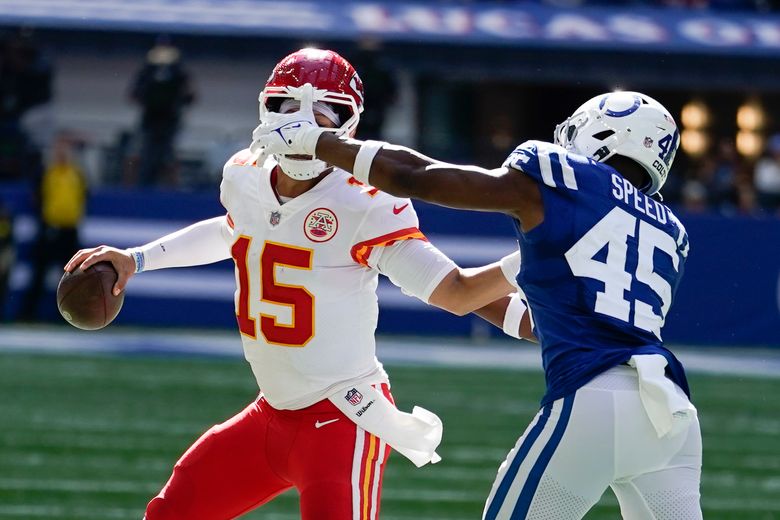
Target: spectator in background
column 162, row 88
column 25, row 82
column 746, row 199
column 766, row 177
column 694, row 196
column 717, row 174
column 7, row 255
column 726, row 168
column 62, row 199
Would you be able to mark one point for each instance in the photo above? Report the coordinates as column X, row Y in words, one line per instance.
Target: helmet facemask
column 329, row 104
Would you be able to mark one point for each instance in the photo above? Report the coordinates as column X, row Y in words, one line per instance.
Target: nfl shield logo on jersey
column 354, row 397
column 276, row 217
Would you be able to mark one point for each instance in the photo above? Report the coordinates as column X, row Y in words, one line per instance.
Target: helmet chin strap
column 301, row 170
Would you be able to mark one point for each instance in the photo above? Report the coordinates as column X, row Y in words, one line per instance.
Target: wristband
column 510, row 266
column 514, row 315
column 364, row 158
column 138, row 257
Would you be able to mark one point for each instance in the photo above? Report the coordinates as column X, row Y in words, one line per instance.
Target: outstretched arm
column 421, row 270
column 204, row 242
column 404, row 172
column 465, row 290
column 401, row 171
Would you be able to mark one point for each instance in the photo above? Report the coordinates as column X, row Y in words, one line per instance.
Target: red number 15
column 300, row 301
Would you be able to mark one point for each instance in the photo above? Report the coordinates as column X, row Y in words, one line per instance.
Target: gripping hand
column 289, row 134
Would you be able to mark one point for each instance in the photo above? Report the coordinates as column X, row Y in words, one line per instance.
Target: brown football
column 84, row 298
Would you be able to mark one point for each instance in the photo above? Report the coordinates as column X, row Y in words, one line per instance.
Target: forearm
column 393, row 168
column 488, row 280
column 466, row 290
column 406, row 173
column 494, row 311
column 204, row 242
column 510, row 315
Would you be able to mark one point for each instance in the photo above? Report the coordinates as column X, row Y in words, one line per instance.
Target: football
column 85, row 298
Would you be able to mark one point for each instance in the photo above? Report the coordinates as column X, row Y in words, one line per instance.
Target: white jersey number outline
column 613, row 231
column 300, row 300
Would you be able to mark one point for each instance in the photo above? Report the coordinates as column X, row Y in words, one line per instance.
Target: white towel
column 668, row 408
column 414, row 435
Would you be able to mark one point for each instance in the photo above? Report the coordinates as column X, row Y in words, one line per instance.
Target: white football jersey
column 305, row 297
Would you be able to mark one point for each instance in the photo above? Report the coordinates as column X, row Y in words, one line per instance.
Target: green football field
column 94, row 437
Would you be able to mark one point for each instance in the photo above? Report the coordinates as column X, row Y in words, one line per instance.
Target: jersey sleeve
column 204, row 242
column 544, row 162
column 230, row 191
column 417, row 267
column 681, row 236
column 227, row 188
column 390, row 220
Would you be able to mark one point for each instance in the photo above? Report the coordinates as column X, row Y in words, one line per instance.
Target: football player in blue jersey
column 600, row 257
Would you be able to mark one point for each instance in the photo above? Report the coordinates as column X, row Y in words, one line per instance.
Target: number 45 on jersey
column 613, row 231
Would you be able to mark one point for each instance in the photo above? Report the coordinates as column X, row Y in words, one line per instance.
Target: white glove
column 289, row 134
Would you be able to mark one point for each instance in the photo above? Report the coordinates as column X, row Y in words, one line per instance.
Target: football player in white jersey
column 308, row 242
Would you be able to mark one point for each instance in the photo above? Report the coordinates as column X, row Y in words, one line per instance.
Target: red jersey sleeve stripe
column 230, row 222
column 362, row 250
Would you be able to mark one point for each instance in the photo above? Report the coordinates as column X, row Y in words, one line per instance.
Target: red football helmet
column 334, row 79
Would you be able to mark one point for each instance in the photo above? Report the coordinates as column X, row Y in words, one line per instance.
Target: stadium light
column 751, row 116
column 749, row 144
column 695, row 118
column 694, row 142
column 695, row 115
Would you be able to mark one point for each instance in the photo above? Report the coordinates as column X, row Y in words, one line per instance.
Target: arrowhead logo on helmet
column 356, row 84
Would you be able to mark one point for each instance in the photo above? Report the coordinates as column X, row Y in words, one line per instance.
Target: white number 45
column 613, row 231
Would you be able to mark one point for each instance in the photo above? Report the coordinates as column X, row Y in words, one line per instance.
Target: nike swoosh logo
column 397, row 210
column 319, row 424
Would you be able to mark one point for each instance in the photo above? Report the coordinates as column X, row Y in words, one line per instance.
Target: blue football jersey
column 599, row 272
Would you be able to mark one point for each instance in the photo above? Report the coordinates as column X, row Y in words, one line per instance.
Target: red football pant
column 246, row 461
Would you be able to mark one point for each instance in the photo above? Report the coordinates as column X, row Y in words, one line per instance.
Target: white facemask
column 302, row 170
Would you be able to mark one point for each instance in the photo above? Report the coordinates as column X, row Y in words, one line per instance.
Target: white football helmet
column 629, row 124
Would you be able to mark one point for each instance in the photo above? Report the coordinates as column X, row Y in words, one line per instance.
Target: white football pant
column 600, row 437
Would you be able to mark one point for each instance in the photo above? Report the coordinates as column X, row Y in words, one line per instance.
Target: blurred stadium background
column 91, row 423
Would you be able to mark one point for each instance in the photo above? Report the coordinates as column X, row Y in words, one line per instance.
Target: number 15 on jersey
column 300, row 301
